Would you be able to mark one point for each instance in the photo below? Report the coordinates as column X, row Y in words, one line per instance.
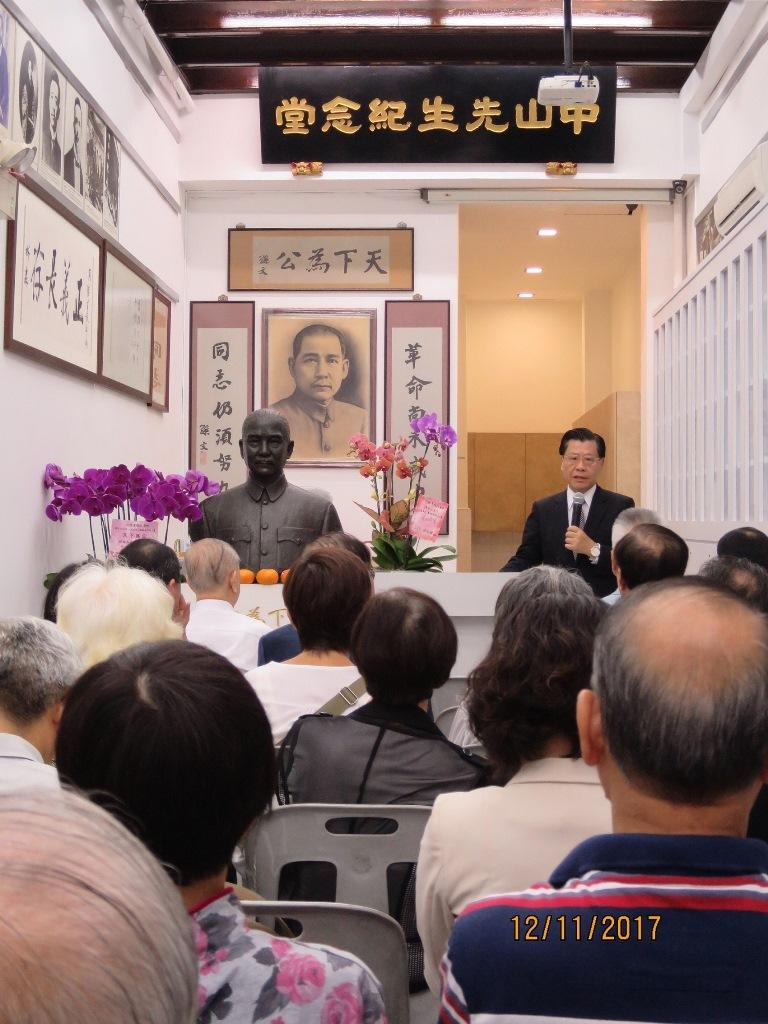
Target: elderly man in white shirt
column 212, row 569
column 38, row 664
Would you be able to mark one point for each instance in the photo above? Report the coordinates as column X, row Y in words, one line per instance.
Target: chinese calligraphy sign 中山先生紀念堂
column 54, row 286
column 312, row 260
column 221, row 368
column 460, row 114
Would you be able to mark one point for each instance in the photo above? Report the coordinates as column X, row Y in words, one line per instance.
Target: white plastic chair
column 444, row 720
column 368, row 934
column 298, row 833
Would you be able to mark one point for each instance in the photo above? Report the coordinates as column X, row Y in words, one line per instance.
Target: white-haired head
column 91, row 928
column 629, row 518
column 212, row 568
column 105, row 609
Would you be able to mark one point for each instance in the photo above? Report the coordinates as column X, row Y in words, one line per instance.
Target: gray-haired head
column 120, row 948
column 538, row 582
column 629, row 518
column 681, row 677
column 741, row 576
column 38, row 665
column 209, row 564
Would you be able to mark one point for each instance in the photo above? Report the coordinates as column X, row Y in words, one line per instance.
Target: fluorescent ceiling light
column 325, row 21
column 547, row 232
column 534, row 270
column 623, row 83
column 547, row 20
column 548, row 194
column 525, row 295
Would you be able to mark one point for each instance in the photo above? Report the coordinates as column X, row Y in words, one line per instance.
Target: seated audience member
column 524, row 587
column 171, row 739
column 52, row 594
column 212, row 569
column 647, row 554
column 105, row 609
column 283, row 643
column 38, row 664
column 743, row 577
column 163, row 563
column 325, row 592
column 745, row 542
column 623, row 523
column 677, row 878
column 522, row 705
column 91, row 931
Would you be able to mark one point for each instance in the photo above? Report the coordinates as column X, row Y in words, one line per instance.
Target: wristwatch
column 594, row 554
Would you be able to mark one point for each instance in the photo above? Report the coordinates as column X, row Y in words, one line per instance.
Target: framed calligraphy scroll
column 221, row 339
column 161, row 352
column 319, row 371
column 125, row 360
column 320, row 260
column 52, row 285
column 417, row 361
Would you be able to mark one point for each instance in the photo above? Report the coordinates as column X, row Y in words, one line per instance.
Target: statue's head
column 266, row 444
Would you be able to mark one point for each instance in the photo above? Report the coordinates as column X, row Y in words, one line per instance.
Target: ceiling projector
column 566, row 90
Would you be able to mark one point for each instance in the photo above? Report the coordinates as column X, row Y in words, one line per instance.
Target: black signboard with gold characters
column 434, row 114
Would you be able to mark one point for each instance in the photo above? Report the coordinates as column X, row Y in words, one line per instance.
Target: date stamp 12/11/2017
column 586, row 927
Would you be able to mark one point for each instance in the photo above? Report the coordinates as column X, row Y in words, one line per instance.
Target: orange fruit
column 284, row 575
column 247, row 575
column 267, row 576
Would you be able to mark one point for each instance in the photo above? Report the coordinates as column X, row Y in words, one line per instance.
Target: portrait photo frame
column 127, row 323
column 326, row 390
column 417, row 339
column 320, row 259
column 161, row 352
column 52, row 309
column 221, row 338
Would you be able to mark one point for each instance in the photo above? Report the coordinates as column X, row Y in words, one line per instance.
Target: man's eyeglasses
column 585, row 460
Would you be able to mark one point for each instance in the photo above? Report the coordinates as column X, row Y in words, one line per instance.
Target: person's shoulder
column 223, row 497
column 284, row 405
column 308, row 499
column 348, row 412
column 542, row 504
column 457, row 809
column 343, row 969
column 615, row 498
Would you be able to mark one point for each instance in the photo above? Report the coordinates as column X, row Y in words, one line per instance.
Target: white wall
column 208, row 216
column 49, row 416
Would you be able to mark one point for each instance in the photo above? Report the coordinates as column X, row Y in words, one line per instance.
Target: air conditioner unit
column 742, row 192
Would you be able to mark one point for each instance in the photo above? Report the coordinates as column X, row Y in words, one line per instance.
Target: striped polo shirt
column 651, row 928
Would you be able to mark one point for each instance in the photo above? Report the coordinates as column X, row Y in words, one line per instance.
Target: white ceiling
column 595, row 245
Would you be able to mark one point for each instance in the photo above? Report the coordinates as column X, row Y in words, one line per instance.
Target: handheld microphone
column 578, row 503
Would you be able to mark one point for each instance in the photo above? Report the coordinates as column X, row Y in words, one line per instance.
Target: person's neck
column 329, row 659
column 558, row 746
column 217, row 595
column 198, row 892
column 32, row 732
column 266, row 482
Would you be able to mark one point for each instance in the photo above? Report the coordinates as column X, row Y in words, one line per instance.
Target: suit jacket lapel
column 596, row 510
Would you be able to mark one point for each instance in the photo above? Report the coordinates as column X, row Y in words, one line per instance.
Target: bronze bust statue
column 266, row 520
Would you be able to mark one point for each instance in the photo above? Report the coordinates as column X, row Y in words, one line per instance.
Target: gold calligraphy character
column 438, row 116
column 533, row 116
column 296, row 115
column 484, row 111
column 338, row 115
column 387, row 114
column 580, row 113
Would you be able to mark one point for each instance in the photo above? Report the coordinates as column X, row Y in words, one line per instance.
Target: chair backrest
column 371, row 936
column 444, row 720
column 299, row 833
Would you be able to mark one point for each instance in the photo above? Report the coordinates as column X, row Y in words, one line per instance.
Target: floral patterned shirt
column 247, row 975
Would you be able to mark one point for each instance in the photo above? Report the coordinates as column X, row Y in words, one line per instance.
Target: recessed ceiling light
column 547, row 232
column 534, row 270
column 615, row 21
column 525, row 295
column 288, row 22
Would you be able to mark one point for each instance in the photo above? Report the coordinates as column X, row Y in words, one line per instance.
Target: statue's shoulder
column 310, row 500
column 224, row 498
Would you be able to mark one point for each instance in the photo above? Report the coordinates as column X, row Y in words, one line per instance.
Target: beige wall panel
column 628, row 443
column 497, row 481
column 602, row 419
column 542, row 467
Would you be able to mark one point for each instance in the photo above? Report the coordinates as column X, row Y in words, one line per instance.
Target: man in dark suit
column 572, row 529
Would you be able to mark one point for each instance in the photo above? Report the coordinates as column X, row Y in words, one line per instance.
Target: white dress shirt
column 289, row 691
column 588, row 496
column 22, row 765
column 501, row 839
column 217, row 626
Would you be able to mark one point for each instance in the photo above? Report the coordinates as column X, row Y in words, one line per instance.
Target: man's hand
column 577, row 541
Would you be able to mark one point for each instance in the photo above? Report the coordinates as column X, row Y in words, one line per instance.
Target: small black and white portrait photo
column 50, row 137
column 112, row 184
column 74, row 142
column 318, row 372
column 28, row 94
column 95, row 141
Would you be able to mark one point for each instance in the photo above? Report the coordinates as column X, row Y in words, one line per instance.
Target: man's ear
column 56, row 712
column 292, row 366
column 289, row 449
column 614, row 567
column 590, row 726
column 240, row 444
column 344, row 369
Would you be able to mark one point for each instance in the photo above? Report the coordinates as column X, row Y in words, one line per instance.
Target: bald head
column 267, row 418
column 266, row 445
column 210, row 565
column 681, row 678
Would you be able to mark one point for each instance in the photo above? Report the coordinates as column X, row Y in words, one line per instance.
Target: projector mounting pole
column 567, row 35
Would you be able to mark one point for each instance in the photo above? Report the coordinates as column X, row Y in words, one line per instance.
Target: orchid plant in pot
column 131, row 494
column 393, row 546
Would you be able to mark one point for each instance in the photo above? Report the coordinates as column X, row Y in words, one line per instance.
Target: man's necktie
column 577, row 519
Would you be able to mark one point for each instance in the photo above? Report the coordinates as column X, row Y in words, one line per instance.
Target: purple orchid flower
column 446, row 436
column 427, row 426
column 53, row 511
column 141, row 478
column 53, row 475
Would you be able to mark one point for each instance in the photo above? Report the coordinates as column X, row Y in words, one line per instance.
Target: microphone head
column 578, row 498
